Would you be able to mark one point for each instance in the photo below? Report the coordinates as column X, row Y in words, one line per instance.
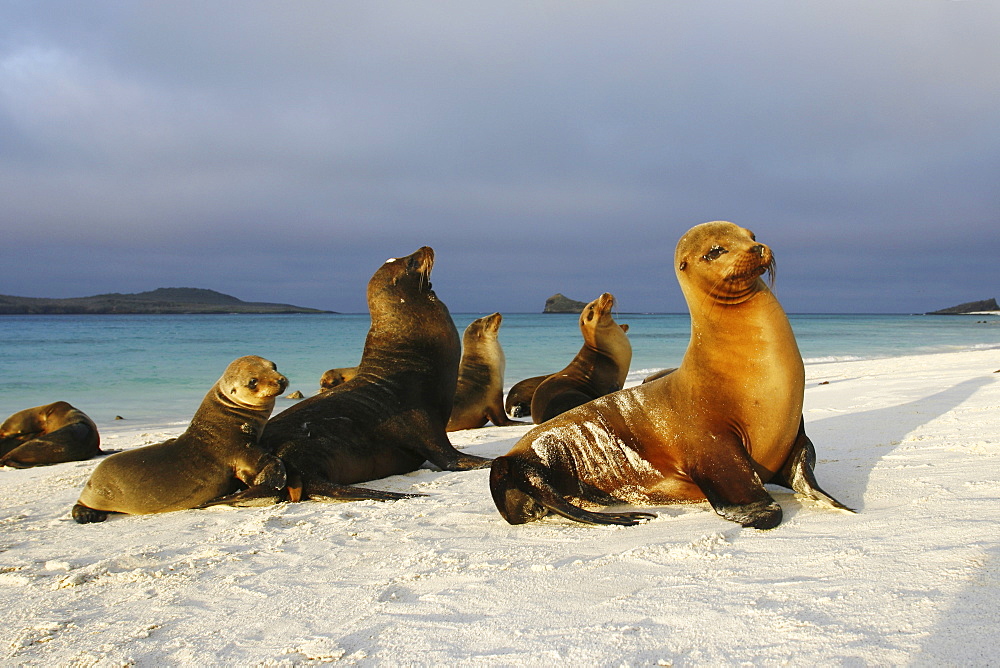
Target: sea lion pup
column 331, row 378
column 479, row 393
column 599, row 368
column 216, row 453
column 391, row 417
column 518, row 403
column 726, row 421
column 49, row 434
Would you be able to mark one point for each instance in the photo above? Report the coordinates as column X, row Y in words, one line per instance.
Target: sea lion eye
column 714, row 253
column 252, row 384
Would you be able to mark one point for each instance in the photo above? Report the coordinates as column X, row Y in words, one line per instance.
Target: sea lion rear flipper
column 252, row 497
column 500, row 419
column 522, row 494
column 86, row 515
column 521, row 409
column 735, row 490
column 797, row 472
column 320, row 490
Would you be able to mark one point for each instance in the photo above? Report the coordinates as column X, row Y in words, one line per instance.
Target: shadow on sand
column 871, row 435
column 967, row 633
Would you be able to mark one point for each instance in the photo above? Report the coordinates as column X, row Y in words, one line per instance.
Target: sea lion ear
column 683, row 265
column 232, row 391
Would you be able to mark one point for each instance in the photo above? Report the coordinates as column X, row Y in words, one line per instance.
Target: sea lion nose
column 759, row 249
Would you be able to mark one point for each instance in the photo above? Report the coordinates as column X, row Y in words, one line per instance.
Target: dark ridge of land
column 558, row 303
column 968, row 307
column 159, row 301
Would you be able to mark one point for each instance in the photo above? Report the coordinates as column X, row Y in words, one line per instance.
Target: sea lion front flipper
column 522, row 494
column 264, row 489
column 438, row 450
column 321, row 490
column 735, row 490
column 797, row 472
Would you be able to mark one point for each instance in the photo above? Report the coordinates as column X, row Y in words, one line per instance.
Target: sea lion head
column 599, row 329
column 598, row 313
column 486, row 327
column 332, row 378
column 402, row 279
column 252, row 382
column 722, row 261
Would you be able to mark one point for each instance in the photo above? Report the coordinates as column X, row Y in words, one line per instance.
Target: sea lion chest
column 747, row 379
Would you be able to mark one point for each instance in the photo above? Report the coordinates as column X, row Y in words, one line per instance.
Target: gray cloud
column 281, row 151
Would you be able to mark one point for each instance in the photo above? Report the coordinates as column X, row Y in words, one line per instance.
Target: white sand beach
column 912, row 579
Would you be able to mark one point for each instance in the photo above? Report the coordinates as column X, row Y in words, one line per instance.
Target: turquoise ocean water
column 156, row 368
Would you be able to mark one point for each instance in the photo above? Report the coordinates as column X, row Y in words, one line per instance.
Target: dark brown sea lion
column 599, row 368
column 215, row 454
column 331, row 378
column 479, row 393
column 726, row 421
column 391, row 417
column 518, row 403
column 48, row 434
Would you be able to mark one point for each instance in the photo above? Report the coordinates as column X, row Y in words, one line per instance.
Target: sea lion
column 656, row 375
column 390, row 418
column 726, row 421
column 518, row 403
column 48, row 434
column 216, row 453
column 331, row 378
column 599, row 368
column 479, row 393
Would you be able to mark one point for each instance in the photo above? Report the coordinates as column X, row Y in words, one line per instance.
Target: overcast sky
column 281, row 151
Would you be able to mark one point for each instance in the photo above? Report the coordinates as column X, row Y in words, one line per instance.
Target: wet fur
column 680, row 438
column 391, row 417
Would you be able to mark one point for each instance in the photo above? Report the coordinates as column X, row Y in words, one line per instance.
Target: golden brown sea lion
column 216, row 453
column 48, row 434
column 726, row 421
column 331, row 378
column 479, row 393
column 599, row 368
column 391, row 417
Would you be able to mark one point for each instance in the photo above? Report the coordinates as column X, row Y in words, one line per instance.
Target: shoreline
column 815, row 368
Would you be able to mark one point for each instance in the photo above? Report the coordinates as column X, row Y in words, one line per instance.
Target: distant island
column 558, row 303
column 969, row 307
column 159, row 301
